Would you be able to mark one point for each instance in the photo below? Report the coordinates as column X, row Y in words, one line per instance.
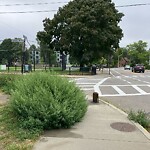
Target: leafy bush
column 141, row 117
column 45, row 101
column 7, row 81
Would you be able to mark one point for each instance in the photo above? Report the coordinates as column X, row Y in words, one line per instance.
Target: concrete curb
column 144, row 131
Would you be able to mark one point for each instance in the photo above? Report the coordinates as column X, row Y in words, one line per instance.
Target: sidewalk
column 104, row 127
column 95, row 133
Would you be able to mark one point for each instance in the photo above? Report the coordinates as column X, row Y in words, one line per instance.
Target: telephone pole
column 23, row 53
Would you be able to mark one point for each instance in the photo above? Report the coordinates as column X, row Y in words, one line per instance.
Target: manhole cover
column 124, row 127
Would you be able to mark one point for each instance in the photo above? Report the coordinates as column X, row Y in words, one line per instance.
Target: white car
column 127, row 67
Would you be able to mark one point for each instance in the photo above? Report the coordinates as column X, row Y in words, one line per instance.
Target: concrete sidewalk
column 103, row 128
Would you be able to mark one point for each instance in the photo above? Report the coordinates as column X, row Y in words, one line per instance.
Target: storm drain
column 124, row 127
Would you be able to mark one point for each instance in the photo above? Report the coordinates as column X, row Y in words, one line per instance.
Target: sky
column 135, row 24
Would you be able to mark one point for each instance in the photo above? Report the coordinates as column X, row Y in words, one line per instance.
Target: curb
column 144, row 131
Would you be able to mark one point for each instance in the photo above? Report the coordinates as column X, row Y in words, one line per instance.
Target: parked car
column 127, row 67
column 138, row 68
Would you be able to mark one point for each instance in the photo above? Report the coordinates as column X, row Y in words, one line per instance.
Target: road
column 123, row 88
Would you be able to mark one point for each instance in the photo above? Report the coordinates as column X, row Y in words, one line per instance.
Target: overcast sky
column 135, row 24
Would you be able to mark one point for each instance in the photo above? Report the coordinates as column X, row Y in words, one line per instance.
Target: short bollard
column 95, row 97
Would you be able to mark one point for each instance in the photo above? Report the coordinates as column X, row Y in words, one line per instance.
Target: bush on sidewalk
column 45, row 101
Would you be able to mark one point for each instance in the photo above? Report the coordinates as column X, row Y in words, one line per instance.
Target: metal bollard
column 95, row 97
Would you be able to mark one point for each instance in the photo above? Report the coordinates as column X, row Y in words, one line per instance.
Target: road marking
column 88, row 89
column 113, row 95
column 84, row 86
column 85, row 83
column 121, row 93
column 126, row 85
column 146, row 82
column 138, row 89
column 96, row 87
column 118, row 90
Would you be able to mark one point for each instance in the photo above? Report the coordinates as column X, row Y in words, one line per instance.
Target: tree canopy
column 10, row 51
column 138, row 53
column 84, row 28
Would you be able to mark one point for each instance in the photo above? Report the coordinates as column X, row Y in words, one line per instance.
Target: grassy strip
column 51, row 69
column 11, row 136
column 140, row 117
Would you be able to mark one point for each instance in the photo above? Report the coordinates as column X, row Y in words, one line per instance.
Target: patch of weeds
column 140, row 117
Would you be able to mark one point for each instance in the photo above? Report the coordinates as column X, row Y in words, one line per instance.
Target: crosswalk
column 113, row 90
column 124, row 90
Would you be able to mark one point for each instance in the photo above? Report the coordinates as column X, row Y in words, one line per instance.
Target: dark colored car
column 138, row 68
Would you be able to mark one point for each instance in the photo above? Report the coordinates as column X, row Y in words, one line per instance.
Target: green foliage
column 141, row 117
column 10, row 51
column 7, row 81
column 44, row 101
column 138, row 53
column 84, row 28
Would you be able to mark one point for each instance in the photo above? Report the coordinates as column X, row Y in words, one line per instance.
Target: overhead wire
column 133, row 5
column 46, row 11
column 23, row 12
column 58, row 2
column 28, row 4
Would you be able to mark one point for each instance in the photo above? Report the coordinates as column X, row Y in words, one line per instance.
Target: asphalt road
column 130, row 91
column 123, row 88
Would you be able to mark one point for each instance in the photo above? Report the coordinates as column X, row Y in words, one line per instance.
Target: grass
column 12, row 69
column 55, row 69
column 140, row 117
column 12, row 137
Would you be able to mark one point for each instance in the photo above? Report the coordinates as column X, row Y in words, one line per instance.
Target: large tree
column 84, row 28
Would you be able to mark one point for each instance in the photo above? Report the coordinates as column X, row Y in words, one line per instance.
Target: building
column 59, row 58
column 35, row 56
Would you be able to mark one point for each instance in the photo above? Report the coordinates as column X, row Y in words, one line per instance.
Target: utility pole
column 109, row 61
column 23, row 54
column 118, row 60
column 34, row 59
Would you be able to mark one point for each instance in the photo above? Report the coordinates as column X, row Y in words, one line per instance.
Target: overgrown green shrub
column 7, row 81
column 141, row 117
column 45, row 101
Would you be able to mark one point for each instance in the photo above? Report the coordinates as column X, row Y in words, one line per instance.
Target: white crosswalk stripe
column 120, row 92
column 117, row 88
